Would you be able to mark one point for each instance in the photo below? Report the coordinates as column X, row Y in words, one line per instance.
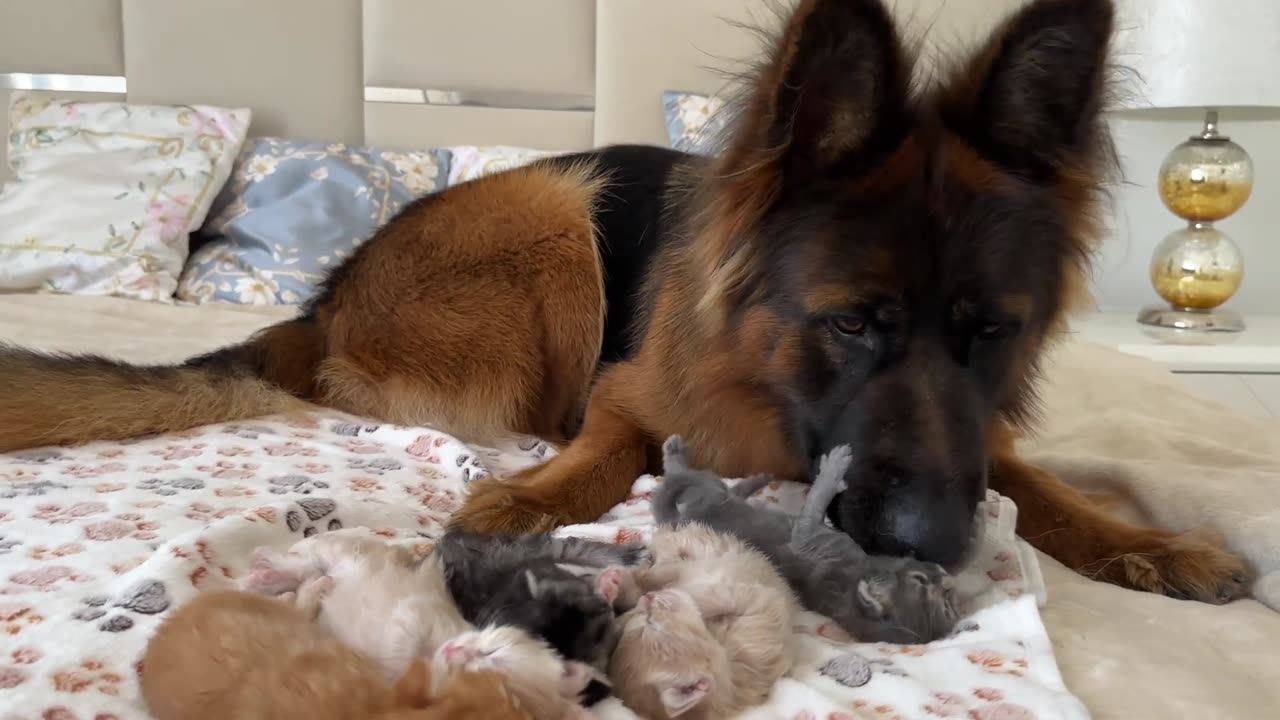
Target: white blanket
column 100, row 542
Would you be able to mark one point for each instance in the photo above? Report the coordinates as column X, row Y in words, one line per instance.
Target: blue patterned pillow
column 292, row 210
column 694, row 121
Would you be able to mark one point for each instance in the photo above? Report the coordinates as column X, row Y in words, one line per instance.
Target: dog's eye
column 848, row 324
column 990, row 330
column 996, row 330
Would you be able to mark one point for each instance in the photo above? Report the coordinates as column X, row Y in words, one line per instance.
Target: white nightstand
column 1240, row 369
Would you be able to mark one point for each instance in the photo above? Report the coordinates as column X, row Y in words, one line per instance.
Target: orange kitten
column 239, row 655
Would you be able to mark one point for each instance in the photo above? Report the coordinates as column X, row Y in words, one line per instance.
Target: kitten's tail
column 682, row 488
column 826, row 484
column 592, row 553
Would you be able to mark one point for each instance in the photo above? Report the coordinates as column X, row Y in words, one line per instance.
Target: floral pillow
column 694, row 121
column 293, row 210
column 468, row 162
column 106, row 193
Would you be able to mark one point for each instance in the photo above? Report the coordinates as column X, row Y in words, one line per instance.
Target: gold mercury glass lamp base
column 1217, row 319
column 1198, row 268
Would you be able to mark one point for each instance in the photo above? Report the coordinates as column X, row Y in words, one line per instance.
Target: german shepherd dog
column 865, row 262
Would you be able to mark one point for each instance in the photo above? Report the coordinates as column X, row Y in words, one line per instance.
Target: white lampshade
column 1200, row 53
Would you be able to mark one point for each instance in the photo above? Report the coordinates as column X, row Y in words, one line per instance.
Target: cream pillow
column 106, row 193
column 468, row 162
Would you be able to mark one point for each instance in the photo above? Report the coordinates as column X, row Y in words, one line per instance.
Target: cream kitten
column 542, row 683
column 376, row 597
column 711, row 629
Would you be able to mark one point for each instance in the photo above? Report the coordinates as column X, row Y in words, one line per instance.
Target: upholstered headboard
column 549, row 74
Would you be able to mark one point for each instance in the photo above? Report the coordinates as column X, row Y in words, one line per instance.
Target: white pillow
column 106, row 193
column 468, row 162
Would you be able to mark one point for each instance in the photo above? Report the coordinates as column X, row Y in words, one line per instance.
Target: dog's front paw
column 492, row 508
column 1190, row 566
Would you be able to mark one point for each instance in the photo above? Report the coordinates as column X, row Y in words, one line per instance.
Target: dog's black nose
column 938, row 532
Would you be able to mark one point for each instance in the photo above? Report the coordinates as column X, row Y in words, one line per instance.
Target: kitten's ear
column 532, row 582
column 576, row 677
column 1032, row 98
column 416, row 688
column 685, row 694
column 873, row 596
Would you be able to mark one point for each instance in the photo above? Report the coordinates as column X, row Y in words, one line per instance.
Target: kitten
column 710, row 632
column 229, row 654
column 552, row 587
column 460, row 694
column 378, row 598
column 536, row 676
column 667, row 661
column 874, row 598
column 374, row 596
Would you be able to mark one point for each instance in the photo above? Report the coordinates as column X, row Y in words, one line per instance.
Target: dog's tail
column 60, row 399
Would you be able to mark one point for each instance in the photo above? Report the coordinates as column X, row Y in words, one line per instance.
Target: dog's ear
column 1031, row 99
column 831, row 98
column 835, row 86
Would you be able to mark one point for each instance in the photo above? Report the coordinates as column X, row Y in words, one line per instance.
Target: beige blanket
column 1117, row 422
column 1121, row 425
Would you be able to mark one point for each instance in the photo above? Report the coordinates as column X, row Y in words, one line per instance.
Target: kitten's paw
column 617, row 586
column 608, row 583
column 674, row 453
column 492, row 508
column 269, row 574
column 311, row 595
column 1190, row 566
column 836, row 462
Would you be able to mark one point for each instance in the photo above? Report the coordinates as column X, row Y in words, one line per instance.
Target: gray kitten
column 874, row 598
column 555, row 588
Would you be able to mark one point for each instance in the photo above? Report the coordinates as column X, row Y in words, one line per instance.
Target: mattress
column 1055, row 644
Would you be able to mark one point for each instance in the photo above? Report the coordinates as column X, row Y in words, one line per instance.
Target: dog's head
column 893, row 255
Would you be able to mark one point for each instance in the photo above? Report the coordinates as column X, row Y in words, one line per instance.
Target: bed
column 97, row 543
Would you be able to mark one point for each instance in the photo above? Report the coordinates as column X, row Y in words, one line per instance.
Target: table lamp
column 1222, row 58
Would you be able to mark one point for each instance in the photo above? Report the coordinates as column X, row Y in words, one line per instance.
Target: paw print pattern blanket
column 98, row 543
